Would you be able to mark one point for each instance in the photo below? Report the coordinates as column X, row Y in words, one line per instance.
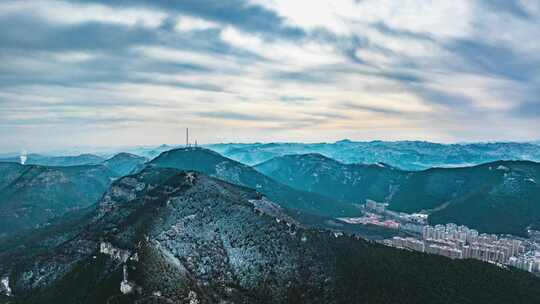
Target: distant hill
column 352, row 183
column 216, row 165
column 43, row 160
column 406, row 155
column 32, row 195
column 188, row 238
column 124, row 163
column 498, row 197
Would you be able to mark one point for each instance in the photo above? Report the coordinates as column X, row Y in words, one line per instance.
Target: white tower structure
column 125, row 285
column 23, row 157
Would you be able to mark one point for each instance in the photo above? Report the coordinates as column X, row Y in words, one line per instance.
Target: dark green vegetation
column 124, row 163
column 216, row 165
column 31, row 195
column 498, row 197
column 44, row 160
column 407, row 155
column 9, row 172
column 187, row 237
column 352, row 183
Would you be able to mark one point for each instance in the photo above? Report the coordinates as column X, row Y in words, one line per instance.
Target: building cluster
column 371, row 219
column 530, row 261
column 376, row 207
column 411, row 219
column 454, row 233
column 451, row 240
column 460, row 242
column 408, row 243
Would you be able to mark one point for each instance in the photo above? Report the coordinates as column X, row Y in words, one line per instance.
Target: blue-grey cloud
column 510, row 7
column 529, row 109
column 227, row 115
column 295, row 99
column 496, row 60
column 351, row 106
column 235, row 12
column 49, row 60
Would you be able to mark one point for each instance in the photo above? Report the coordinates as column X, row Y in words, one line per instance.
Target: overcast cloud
column 133, row 72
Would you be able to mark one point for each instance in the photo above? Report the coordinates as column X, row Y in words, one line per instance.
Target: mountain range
column 183, row 237
column 497, row 197
column 216, row 165
column 406, row 155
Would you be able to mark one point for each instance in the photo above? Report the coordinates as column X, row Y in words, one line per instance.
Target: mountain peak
column 124, row 163
column 344, row 141
column 125, row 155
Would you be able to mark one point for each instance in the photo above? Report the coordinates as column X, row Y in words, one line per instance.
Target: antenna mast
column 187, row 137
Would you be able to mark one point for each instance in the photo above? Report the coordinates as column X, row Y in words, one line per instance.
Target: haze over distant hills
column 122, row 162
column 188, row 238
column 498, row 197
column 46, row 160
column 407, row 155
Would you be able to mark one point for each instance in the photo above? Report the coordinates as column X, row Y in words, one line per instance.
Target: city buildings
column 371, row 219
column 461, row 242
column 408, row 243
column 451, row 240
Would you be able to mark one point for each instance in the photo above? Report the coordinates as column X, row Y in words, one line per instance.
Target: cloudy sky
column 138, row 72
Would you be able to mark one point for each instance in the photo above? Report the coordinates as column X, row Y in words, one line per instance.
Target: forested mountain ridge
column 216, row 165
column 32, row 195
column 497, row 197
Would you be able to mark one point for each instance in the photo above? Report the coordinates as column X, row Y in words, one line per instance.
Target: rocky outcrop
column 4, row 286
